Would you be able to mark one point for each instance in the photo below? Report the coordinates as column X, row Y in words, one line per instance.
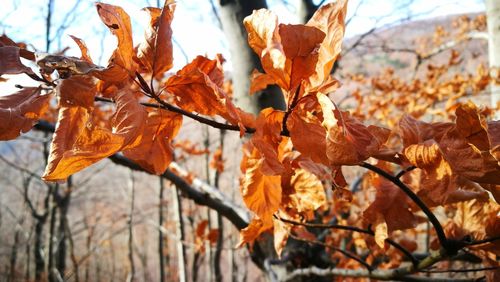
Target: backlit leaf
column 155, row 53
column 19, row 111
column 10, row 62
column 154, row 152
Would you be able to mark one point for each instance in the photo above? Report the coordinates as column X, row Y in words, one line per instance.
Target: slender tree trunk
column 161, row 246
column 74, row 260
column 179, row 226
column 208, row 246
column 63, row 206
column 220, row 223
column 28, row 257
column 13, row 255
column 244, row 60
column 130, row 228
column 493, row 18
column 52, row 237
column 39, row 246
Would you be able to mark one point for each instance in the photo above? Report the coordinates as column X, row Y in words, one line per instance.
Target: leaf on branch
column 198, row 88
column 261, row 193
column 20, row 111
column 121, row 66
column 307, row 134
column 6, row 41
column 155, row 53
column 481, row 220
column 154, row 152
column 439, row 184
column 452, row 156
column 10, row 62
column 83, row 48
column 348, row 140
column 304, row 193
column 79, row 143
column 267, row 139
column 256, row 227
column 391, row 206
column 330, row 19
column 288, row 53
column 281, row 232
column 78, row 90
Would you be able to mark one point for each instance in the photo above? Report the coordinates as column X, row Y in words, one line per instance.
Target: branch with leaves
column 290, row 159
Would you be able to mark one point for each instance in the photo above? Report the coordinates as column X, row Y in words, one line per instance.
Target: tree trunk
column 39, row 246
column 244, row 60
column 161, row 247
column 131, row 229
column 179, row 226
column 63, row 206
column 493, row 16
column 13, row 255
column 52, row 240
column 306, row 10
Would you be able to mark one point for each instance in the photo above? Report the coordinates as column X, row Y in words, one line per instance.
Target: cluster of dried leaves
column 294, row 158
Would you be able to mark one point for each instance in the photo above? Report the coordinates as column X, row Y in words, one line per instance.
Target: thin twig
column 337, row 249
column 391, row 242
column 462, row 270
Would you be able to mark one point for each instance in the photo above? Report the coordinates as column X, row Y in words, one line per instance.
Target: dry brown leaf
column 154, row 152
column 155, row 53
column 19, row 111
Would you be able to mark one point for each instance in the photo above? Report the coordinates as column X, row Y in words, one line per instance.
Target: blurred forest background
column 109, row 223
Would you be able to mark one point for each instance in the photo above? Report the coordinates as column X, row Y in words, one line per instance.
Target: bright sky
column 195, row 26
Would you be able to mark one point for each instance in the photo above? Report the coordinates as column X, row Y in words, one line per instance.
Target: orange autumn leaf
column 305, row 192
column 281, row 232
column 217, row 161
column 330, row 19
column 300, row 45
column 154, row 152
column 304, row 121
column 75, row 146
column 121, row 66
column 391, row 207
column 261, row 193
column 267, row 139
column 256, row 227
column 288, row 53
column 348, row 140
column 78, row 143
column 292, row 54
column 78, row 90
column 155, row 53
column 83, row 48
column 259, row 81
column 20, row 111
column 197, row 88
column 439, row 184
column 472, row 126
column 413, row 131
column 478, row 219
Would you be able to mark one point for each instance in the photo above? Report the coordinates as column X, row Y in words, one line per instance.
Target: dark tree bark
column 306, row 10
column 52, row 237
column 244, row 60
column 63, row 206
